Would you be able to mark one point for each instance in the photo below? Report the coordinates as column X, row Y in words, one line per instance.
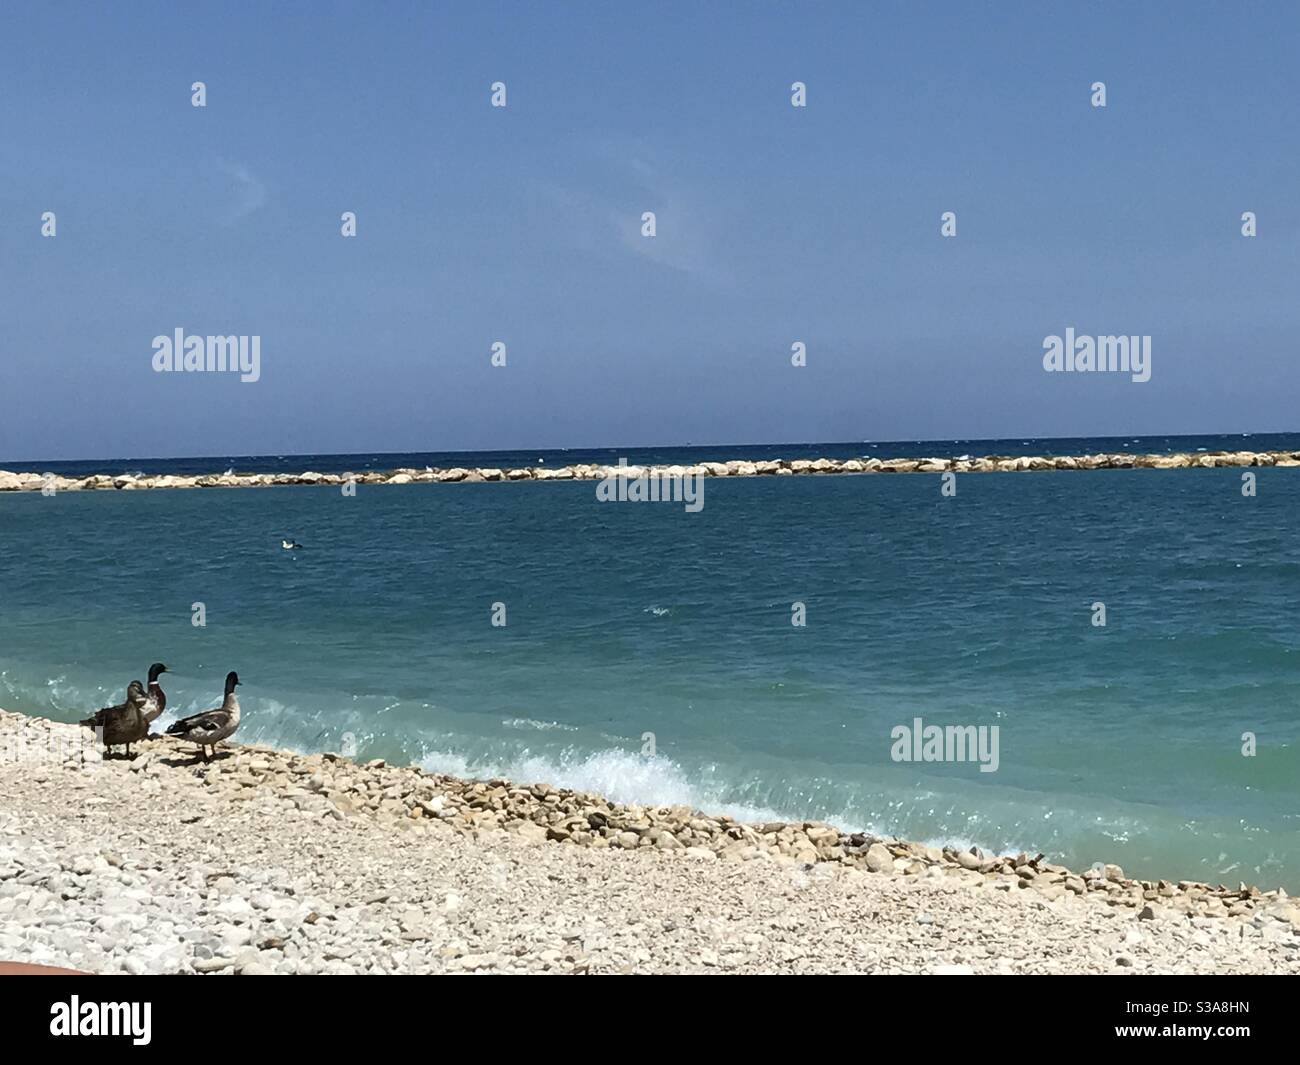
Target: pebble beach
column 267, row 861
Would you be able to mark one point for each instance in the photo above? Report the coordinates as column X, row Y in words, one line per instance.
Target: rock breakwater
column 36, row 482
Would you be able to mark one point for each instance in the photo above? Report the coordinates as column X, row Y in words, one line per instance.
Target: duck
column 212, row 726
column 156, row 698
column 125, row 723
column 290, row 545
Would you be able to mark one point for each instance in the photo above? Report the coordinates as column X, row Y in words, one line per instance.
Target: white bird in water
column 290, row 545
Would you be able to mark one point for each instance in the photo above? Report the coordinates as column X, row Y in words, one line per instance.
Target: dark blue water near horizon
column 661, row 455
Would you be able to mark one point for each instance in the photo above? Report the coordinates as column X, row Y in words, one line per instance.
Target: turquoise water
column 1120, row 743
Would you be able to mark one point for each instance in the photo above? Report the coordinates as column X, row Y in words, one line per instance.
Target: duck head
column 135, row 693
column 155, row 671
column 232, row 681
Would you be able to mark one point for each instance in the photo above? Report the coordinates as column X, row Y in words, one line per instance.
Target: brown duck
column 125, row 723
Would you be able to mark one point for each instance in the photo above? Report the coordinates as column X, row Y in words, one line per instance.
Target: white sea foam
column 56, row 696
column 619, row 775
column 455, row 765
column 540, row 726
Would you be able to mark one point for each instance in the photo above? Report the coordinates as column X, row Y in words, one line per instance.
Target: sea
column 757, row 657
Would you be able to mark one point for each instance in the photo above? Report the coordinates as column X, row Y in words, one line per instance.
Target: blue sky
column 521, row 224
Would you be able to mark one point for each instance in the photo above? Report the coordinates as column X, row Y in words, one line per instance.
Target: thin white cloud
column 248, row 193
column 606, row 223
column 680, row 240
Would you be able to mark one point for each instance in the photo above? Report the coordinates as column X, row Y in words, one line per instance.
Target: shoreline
column 390, row 816
column 35, row 482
